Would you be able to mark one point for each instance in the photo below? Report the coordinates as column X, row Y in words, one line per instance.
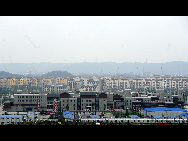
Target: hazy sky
column 65, row 39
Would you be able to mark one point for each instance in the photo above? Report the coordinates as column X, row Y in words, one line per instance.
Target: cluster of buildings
column 113, row 84
column 77, row 93
column 96, row 84
column 93, row 101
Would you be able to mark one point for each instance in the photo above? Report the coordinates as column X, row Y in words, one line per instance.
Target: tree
column 42, row 112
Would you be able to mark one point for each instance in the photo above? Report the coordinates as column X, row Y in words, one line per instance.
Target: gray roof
column 53, row 95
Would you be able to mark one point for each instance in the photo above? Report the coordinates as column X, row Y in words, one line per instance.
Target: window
column 70, row 100
column 86, row 100
column 22, row 96
column 63, row 100
column 26, row 96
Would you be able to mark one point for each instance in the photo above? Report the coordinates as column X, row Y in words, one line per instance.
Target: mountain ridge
column 174, row 68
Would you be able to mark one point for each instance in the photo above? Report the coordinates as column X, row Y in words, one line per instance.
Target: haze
column 65, row 39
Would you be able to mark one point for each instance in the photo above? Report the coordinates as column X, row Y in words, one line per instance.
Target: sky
column 71, row 39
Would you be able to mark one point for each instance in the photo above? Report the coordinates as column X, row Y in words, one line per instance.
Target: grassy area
column 107, row 112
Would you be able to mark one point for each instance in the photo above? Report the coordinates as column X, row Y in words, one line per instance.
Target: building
column 26, row 102
column 68, row 102
column 163, row 111
column 88, row 101
column 103, row 102
column 10, row 119
column 50, row 101
column 55, row 88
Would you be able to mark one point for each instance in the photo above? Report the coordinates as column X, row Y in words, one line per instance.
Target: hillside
column 4, row 74
column 56, row 74
column 175, row 68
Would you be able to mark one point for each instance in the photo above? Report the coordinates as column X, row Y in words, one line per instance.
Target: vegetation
column 56, row 74
column 8, row 74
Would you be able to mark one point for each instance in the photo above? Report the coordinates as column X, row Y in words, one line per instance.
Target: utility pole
column 117, row 70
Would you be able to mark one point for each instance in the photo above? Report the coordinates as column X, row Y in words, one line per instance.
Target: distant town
column 98, row 100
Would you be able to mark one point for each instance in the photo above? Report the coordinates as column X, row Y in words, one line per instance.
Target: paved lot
column 109, row 115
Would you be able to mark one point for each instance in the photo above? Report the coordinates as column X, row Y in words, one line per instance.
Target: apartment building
column 55, row 88
column 88, row 101
column 8, row 82
column 151, row 83
column 68, row 102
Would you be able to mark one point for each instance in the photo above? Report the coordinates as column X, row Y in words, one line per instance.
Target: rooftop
column 164, row 109
column 10, row 115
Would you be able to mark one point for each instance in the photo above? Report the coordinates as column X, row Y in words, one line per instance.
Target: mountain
column 37, row 69
column 4, row 74
column 56, row 74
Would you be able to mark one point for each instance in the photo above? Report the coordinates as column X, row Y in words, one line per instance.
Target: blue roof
column 164, row 109
column 134, row 116
column 10, row 115
column 68, row 114
column 184, row 114
column 95, row 116
column 31, row 111
column 172, row 116
column 157, row 116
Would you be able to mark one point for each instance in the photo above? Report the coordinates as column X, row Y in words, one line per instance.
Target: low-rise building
column 27, row 102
